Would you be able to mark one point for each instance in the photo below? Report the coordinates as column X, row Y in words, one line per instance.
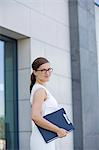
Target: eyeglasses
column 46, row 70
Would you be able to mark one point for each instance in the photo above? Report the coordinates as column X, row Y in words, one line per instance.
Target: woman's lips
column 46, row 76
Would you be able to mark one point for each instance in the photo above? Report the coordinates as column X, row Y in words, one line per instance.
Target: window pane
column 8, row 92
column 2, row 111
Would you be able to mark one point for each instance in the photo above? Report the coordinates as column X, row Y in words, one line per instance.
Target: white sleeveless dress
column 49, row 105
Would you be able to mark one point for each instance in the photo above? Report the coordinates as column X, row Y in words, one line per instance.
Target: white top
column 49, row 105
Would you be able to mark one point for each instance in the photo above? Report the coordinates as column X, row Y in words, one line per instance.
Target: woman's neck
column 40, row 82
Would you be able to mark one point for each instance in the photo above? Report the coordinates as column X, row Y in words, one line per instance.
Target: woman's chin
column 46, row 80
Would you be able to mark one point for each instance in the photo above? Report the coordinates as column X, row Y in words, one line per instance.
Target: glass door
column 8, row 94
column 2, row 102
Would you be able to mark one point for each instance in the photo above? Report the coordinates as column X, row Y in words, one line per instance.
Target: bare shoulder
column 40, row 93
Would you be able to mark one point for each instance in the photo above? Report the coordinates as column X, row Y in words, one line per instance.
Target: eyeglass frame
column 46, row 70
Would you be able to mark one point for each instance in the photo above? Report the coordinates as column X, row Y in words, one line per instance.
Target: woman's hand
column 62, row 132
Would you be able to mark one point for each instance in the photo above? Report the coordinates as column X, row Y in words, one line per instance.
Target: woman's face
column 43, row 73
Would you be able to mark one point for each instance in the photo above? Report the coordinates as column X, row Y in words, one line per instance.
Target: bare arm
column 38, row 99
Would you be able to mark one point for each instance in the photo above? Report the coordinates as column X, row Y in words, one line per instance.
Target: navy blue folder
column 58, row 118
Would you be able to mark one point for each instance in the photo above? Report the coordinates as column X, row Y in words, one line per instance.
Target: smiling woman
column 42, row 103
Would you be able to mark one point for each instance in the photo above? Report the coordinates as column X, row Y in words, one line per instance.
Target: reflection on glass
column 11, row 120
column 2, row 111
column 97, row 2
column 8, row 94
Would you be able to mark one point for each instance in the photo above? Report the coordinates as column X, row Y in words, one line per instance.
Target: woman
column 42, row 103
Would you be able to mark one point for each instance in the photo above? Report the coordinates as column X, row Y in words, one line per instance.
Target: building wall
column 50, row 38
column 44, row 26
column 84, row 74
column 97, row 35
